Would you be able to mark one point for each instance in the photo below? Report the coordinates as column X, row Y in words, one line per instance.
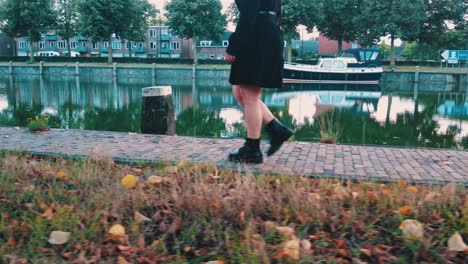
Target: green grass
column 199, row 214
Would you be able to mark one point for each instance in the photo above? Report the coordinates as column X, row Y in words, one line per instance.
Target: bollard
column 157, row 115
column 153, row 73
column 41, row 67
column 77, row 68
column 114, row 69
column 10, row 68
column 194, row 71
column 416, row 74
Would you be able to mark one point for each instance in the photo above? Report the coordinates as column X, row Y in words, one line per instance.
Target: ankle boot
column 249, row 153
column 279, row 133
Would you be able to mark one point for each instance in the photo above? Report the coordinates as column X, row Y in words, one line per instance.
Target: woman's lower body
column 259, row 66
column 257, row 113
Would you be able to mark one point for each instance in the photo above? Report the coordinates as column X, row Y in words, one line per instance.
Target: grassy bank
column 114, row 213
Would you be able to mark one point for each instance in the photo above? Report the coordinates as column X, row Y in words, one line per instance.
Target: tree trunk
column 109, row 49
column 340, row 46
column 392, row 51
column 68, row 47
column 289, row 50
column 194, row 47
column 129, row 48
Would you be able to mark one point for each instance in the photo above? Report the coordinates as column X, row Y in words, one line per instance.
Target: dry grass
column 197, row 214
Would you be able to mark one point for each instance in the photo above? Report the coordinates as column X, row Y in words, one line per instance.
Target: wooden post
column 114, row 69
column 41, row 67
column 194, row 71
column 157, row 115
column 416, row 74
column 77, row 68
column 10, row 68
column 153, row 73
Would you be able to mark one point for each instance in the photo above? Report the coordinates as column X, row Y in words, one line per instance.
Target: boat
column 363, row 66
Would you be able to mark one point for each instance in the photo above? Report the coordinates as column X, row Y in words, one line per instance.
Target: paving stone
column 312, row 159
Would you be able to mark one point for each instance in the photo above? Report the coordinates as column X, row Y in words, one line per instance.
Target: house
column 329, row 47
column 159, row 43
column 305, row 47
column 213, row 49
column 7, row 46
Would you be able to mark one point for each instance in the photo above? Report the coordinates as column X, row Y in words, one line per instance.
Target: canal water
column 386, row 114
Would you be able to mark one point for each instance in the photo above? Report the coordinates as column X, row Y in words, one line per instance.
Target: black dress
column 257, row 44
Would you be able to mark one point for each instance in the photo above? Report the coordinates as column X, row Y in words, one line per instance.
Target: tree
column 393, row 18
column 195, row 19
column 143, row 15
column 299, row 12
column 232, row 13
column 101, row 19
column 67, row 18
column 337, row 21
column 27, row 18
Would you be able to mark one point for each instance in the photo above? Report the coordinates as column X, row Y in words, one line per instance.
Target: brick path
column 299, row 158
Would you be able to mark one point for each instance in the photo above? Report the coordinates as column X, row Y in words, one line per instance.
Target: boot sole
column 270, row 152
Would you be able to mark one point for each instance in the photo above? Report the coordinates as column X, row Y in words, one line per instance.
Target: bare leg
column 267, row 116
column 252, row 110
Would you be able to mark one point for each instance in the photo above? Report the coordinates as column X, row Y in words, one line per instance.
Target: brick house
column 327, row 46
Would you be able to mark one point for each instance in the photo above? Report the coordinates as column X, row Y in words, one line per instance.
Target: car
column 48, row 53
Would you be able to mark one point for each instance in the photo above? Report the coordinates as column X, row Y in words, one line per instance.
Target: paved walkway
column 299, row 158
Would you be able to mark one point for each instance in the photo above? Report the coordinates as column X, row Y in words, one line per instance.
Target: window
column 152, row 33
column 116, row 45
column 95, row 45
column 338, row 65
column 164, row 31
column 140, row 44
column 175, row 45
column 53, row 43
column 72, row 44
column 82, row 44
column 153, row 45
column 106, row 44
column 62, row 44
column 41, row 44
column 164, row 45
column 326, row 64
column 22, row 44
column 225, row 43
column 205, row 43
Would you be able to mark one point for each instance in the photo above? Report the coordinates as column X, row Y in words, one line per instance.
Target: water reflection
column 364, row 113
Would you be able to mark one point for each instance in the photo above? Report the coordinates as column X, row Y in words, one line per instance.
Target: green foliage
column 38, row 123
column 232, row 13
column 196, row 19
column 337, row 22
column 67, row 19
column 27, row 18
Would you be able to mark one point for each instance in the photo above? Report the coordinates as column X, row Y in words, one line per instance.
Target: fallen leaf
column 155, row 180
column 456, row 243
column 140, row 217
column 306, row 244
column 61, row 175
column 285, row 231
column 59, row 237
column 412, row 230
column 137, row 171
column 412, row 189
column 450, row 189
column 405, row 210
column 371, row 196
column 366, row 252
column 117, row 230
column 402, row 183
column 48, row 214
column 430, row 196
column 291, row 249
column 129, row 181
column 121, row 260
column 175, row 226
column 172, row 169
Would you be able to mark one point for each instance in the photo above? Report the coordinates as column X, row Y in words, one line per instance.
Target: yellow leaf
column 155, row 180
column 456, row 243
column 291, row 249
column 412, row 189
column 61, row 175
column 129, row 181
column 141, row 218
column 412, row 230
column 47, row 168
column 405, row 210
column 117, row 230
column 59, row 237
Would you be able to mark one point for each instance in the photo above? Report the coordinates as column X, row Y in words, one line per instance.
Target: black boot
column 249, row 153
column 279, row 133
